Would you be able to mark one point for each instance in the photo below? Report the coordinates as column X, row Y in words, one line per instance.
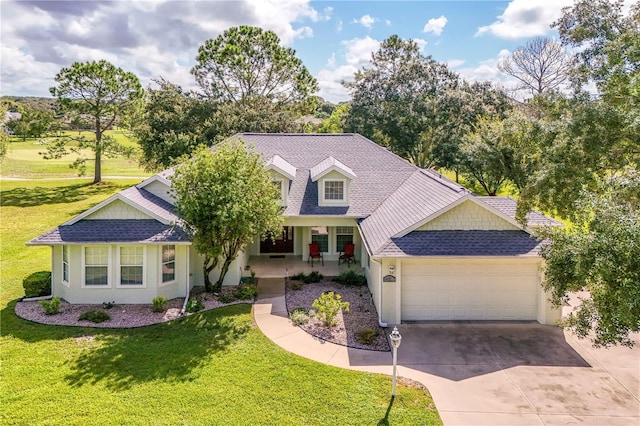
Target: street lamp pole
column 396, row 338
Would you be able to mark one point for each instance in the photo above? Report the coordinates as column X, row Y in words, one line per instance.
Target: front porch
column 288, row 265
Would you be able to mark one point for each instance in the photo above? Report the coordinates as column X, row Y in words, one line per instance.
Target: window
column 131, row 265
column 168, row 263
column 344, row 235
column 96, row 266
column 334, row 190
column 65, row 264
column 320, row 236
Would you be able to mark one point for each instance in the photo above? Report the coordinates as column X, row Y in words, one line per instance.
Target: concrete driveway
column 521, row 374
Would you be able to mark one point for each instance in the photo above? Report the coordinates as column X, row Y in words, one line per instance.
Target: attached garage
column 469, row 289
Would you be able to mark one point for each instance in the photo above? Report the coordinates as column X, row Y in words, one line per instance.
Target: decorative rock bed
column 122, row 315
column 362, row 314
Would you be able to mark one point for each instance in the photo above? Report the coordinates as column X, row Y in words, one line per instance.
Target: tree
column 587, row 151
column 174, row 123
column 488, row 153
column 542, row 64
column 333, row 124
column 246, row 70
column 32, row 124
column 600, row 254
column 403, row 100
column 4, row 136
column 103, row 92
column 226, row 199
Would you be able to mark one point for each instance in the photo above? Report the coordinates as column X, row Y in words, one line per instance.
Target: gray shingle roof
column 420, row 196
column 378, row 171
column 112, row 231
column 463, row 243
column 508, row 205
column 152, row 203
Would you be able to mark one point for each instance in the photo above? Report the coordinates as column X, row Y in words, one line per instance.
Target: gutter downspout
column 186, row 298
column 380, row 323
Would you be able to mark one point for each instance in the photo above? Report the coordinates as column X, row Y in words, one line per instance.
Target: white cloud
column 525, row 18
column 455, row 63
column 487, row 70
column 421, row 43
column 39, row 38
column 435, row 25
column 357, row 54
column 359, row 50
column 339, row 25
column 387, row 22
column 366, row 21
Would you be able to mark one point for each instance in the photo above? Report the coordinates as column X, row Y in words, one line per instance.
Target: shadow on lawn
column 120, row 358
column 32, row 197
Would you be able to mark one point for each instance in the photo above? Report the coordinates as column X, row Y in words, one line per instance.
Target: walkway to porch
column 283, row 266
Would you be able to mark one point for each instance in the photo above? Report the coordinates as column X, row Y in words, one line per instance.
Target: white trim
column 84, row 270
column 324, row 202
column 119, row 269
column 451, row 206
column 110, row 200
column 161, row 283
column 65, row 282
column 154, row 178
column 282, row 166
column 332, row 165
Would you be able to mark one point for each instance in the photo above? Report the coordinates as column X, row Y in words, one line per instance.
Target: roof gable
column 328, row 165
column 468, row 215
column 139, row 199
column 281, row 166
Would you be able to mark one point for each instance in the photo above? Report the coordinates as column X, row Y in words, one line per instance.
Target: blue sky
column 333, row 38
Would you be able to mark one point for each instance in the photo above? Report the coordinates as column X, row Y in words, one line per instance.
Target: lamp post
column 396, row 338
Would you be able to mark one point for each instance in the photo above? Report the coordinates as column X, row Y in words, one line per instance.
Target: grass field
column 23, row 160
column 210, row 368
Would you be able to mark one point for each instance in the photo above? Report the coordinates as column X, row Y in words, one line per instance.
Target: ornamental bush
column 327, row 307
column 37, row 284
column 159, row 303
column 94, row 316
column 51, row 307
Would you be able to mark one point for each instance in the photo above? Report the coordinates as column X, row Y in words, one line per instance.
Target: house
column 430, row 249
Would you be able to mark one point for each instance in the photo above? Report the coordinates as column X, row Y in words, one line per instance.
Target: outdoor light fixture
column 396, row 338
column 392, row 269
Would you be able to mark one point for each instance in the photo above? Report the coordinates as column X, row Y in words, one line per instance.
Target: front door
column 280, row 243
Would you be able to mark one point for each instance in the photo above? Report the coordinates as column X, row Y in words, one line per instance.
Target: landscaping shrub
column 51, row 307
column 313, row 277
column 299, row 276
column 246, row 292
column 352, row 278
column 37, row 284
column 296, row 285
column 194, row 305
column 108, row 305
column 249, row 280
column 225, row 298
column 94, row 316
column 366, row 336
column 299, row 316
column 159, row 303
column 327, row 307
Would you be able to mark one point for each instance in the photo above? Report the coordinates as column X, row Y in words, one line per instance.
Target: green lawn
column 210, row 368
column 23, row 160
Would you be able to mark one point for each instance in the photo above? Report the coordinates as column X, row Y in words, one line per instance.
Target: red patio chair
column 315, row 253
column 348, row 254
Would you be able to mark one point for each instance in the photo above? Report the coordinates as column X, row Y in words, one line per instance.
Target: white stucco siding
column 160, row 190
column 468, row 216
column 75, row 291
column 470, row 289
column 118, row 210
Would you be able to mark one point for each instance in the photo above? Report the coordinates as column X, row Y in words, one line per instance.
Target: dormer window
column 282, row 174
column 333, row 179
column 334, row 190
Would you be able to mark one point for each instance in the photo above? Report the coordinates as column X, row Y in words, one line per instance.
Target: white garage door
column 469, row 290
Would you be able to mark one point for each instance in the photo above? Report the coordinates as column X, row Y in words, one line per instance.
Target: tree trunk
column 97, row 175
column 223, row 273
column 208, row 266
